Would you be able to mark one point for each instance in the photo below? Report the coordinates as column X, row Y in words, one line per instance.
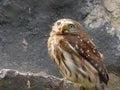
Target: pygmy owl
column 76, row 56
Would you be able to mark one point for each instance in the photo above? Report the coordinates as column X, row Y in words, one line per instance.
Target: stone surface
column 14, row 80
column 113, row 8
column 114, row 82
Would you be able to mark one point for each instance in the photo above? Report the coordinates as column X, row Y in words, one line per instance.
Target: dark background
column 29, row 22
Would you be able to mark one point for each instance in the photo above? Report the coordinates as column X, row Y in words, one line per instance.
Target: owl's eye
column 58, row 23
column 71, row 26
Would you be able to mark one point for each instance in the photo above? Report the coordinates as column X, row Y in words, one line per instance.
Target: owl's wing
column 86, row 48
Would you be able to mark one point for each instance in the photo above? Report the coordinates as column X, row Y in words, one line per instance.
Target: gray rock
column 14, row 80
column 113, row 10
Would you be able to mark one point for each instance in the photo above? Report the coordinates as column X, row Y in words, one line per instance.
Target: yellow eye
column 71, row 26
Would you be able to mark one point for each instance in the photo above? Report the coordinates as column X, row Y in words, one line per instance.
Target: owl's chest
column 54, row 43
column 62, row 58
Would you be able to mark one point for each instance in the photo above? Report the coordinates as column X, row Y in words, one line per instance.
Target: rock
column 14, row 80
column 113, row 8
column 96, row 18
column 111, row 5
column 114, row 82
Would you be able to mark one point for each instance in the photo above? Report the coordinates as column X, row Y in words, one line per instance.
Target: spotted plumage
column 76, row 56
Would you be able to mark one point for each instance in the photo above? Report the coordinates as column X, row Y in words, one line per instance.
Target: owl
column 76, row 56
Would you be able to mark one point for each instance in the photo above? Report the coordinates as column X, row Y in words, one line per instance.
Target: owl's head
column 66, row 26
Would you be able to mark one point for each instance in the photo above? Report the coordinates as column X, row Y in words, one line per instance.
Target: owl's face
column 65, row 26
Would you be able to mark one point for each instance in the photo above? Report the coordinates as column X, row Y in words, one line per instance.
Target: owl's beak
column 63, row 28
